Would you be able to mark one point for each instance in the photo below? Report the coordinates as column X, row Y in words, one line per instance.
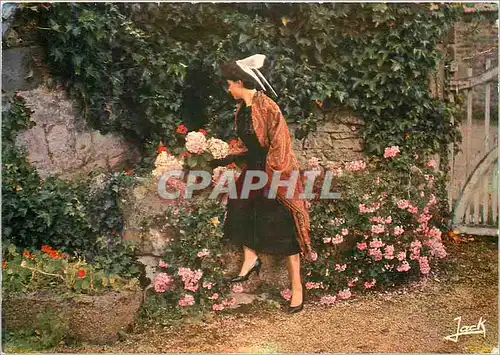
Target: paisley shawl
column 272, row 132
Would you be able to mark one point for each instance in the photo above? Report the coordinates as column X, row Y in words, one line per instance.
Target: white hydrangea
column 218, row 148
column 166, row 162
column 196, row 142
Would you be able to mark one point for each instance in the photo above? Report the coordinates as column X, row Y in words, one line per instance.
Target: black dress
column 257, row 222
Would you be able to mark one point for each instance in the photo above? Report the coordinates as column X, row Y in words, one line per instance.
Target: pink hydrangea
column 412, row 209
column 388, row 220
column 186, row 301
column 403, row 267
column 345, row 231
column 214, row 296
column 286, row 294
column 237, row 289
column 327, row 240
column 328, row 300
column 163, row 282
column 378, row 229
column 207, row 285
column 401, row 255
column 196, row 142
column 161, row 263
column 434, row 233
column 344, row 294
column 314, row 256
column 391, row 152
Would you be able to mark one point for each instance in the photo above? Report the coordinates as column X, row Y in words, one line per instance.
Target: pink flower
column 355, row 165
column 228, row 302
column 432, row 200
column 434, row 233
column 237, row 289
column 378, row 229
column 190, row 278
column 162, row 264
column 402, row 256
column 352, row 282
column 389, row 252
column 314, row 163
column 361, row 246
column 217, row 307
column 376, row 253
column 327, row 240
column 370, row 284
column 338, row 239
column 339, row 267
column 344, row 294
column 398, row 230
column 314, row 256
column 431, row 164
column 337, row 172
column 196, row 142
column 310, row 285
column 163, row 282
column 429, row 178
column 207, row 285
column 186, row 300
column 328, row 300
column 214, row 296
column 377, row 180
column 403, row 204
column 388, row 220
column 412, row 209
column 345, row 231
column 203, row 253
column 391, row 152
column 424, row 265
column 376, row 243
column 403, row 267
column 286, row 294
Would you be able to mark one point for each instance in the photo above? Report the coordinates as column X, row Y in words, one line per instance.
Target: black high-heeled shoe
column 296, row 309
column 255, row 268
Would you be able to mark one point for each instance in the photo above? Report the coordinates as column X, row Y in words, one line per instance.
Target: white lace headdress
column 251, row 66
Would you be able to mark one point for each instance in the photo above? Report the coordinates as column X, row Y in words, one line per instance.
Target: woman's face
column 235, row 88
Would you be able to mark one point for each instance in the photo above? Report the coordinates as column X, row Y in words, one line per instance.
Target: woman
column 259, row 224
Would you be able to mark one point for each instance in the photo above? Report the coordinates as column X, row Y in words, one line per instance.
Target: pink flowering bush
column 385, row 229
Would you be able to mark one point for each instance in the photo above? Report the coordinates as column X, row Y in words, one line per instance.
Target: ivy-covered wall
column 142, row 69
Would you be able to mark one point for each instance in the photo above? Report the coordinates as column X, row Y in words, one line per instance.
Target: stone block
column 21, row 68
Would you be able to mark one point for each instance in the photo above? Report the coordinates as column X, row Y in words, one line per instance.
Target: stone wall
column 60, row 143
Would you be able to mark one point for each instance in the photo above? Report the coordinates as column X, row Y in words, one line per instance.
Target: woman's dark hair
column 231, row 71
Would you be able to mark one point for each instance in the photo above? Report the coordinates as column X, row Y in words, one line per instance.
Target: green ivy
column 141, row 69
column 72, row 216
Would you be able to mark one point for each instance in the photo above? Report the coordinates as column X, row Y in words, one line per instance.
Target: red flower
column 232, row 165
column 203, row 131
column 129, row 172
column 81, row 273
column 162, row 149
column 233, row 142
column 182, row 129
column 185, row 154
column 27, row 254
column 4, row 264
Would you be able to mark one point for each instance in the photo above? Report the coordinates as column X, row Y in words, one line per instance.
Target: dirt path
column 413, row 320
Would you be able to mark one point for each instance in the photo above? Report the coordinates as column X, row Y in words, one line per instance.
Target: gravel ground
column 411, row 319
